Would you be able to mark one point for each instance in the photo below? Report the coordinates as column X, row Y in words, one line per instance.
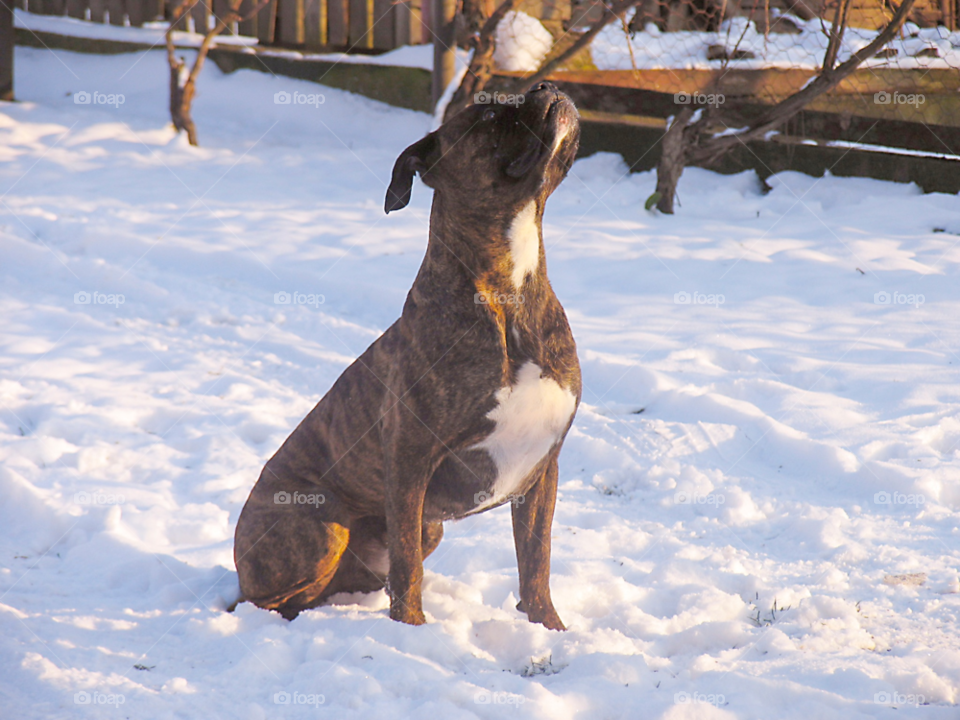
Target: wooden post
column 444, row 46
column 116, row 10
column 290, row 20
column 406, row 21
column 136, row 11
column 315, row 20
column 384, row 37
column 76, row 9
column 359, row 24
column 6, row 50
column 267, row 23
column 338, row 19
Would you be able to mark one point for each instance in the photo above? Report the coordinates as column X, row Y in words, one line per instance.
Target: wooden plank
column 771, row 84
column 248, row 27
column 267, row 23
column 97, row 9
column 338, row 20
column 76, row 9
column 7, row 42
column 403, row 24
column 136, row 12
column 201, row 14
column 290, row 30
column 384, row 37
column 314, row 20
column 116, row 10
column 359, row 23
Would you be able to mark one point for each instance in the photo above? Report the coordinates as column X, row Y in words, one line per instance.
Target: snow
column 775, row 535
column 522, row 42
column 417, row 56
column 652, row 49
column 150, row 34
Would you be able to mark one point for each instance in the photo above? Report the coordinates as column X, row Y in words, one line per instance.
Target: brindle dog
column 460, row 406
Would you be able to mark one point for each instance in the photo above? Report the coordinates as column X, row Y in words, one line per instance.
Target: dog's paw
column 545, row 616
column 410, row 617
column 551, row 621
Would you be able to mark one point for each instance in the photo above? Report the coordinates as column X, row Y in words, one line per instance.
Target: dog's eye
column 489, row 115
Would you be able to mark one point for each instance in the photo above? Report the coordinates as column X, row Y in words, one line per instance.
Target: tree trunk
column 670, row 166
column 697, row 144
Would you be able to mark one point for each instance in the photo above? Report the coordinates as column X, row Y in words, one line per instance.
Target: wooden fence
column 307, row 24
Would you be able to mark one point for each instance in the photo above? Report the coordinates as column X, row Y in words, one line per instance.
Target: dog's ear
column 418, row 158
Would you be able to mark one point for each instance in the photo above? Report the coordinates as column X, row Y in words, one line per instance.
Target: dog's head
column 494, row 154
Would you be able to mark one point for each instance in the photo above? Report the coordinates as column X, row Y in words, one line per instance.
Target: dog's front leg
column 411, row 458
column 532, row 521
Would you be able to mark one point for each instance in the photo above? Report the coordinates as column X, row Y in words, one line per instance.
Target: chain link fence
column 750, row 55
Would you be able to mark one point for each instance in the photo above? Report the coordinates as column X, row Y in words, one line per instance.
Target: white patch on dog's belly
column 530, row 417
column 524, row 243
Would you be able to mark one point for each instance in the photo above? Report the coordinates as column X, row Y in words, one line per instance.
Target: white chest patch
column 524, row 243
column 530, row 417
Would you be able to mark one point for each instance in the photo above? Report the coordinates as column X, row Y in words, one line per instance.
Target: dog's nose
column 544, row 86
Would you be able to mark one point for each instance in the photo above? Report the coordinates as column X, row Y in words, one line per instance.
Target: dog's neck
column 493, row 253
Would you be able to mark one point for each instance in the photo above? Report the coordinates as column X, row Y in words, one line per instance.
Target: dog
column 462, row 405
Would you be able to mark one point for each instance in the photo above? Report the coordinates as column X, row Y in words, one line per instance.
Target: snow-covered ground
column 775, row 535
column 613, row 49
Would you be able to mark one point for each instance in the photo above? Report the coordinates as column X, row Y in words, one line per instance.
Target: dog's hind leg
column 288, row 546
column 365, row 563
